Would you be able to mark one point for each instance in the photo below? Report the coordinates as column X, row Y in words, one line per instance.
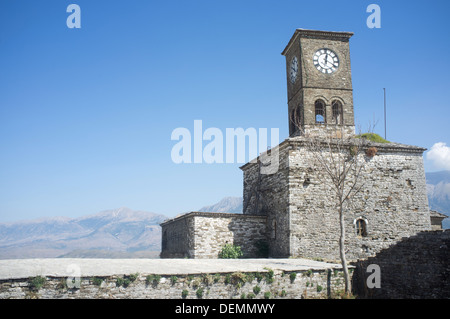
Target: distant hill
column 118, row 233
column 226, row 205
column 125, row 233
column 120, row 230
column 438, row 191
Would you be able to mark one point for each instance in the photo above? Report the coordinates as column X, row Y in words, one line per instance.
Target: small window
column 361, row 227
column 320, row 112
column 274, row 229
column 337, row 113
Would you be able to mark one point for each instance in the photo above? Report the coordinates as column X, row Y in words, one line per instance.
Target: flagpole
column 384, row 89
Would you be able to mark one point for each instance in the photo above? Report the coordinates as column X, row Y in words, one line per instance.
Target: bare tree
column 342, row 159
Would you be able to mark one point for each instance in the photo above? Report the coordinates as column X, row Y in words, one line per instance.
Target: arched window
column 296, row 119
column 337, row 113
column 361, row 227
column 320, row 112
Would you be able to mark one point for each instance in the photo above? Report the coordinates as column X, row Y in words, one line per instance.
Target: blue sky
column 87, row 114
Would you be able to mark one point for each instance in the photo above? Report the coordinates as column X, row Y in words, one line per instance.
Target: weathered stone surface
column 203, row 235
column 217, row 277
column 296, row 201
column 312, row 85
column 303, row 219
column 416, row 267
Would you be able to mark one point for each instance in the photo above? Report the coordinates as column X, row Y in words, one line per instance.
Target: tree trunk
column 342, row 249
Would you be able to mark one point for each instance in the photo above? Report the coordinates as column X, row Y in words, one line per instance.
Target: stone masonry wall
column 272, row 201
column 415, row 267
column 177, row 239
column 302, row 218
column 289, row 285
column 207, row 233
column 393, row 203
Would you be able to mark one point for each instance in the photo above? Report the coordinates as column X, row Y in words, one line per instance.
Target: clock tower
column 319, row 83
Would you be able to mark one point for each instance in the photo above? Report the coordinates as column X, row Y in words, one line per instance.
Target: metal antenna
column 384, row 89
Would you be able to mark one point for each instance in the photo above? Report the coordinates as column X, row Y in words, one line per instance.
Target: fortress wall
column 239, row 285
column 392, row 202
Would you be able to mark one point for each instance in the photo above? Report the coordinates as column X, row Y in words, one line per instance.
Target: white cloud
column 439, row 155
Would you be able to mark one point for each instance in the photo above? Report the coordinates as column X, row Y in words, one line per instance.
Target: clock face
column 326, row 61
column 293, row 70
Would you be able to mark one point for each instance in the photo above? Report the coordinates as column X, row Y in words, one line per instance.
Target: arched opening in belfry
column 338, row 117
column 320, row 112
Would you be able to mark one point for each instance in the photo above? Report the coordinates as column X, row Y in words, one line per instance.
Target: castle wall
column 177, row 238
column 308, row 283
column 205, row 234
column 392, row 202
column 416, row 267
column 302, row 216
column 272, row 201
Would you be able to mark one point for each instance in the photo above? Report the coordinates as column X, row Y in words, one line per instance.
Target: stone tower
column 290, row 212
column 319, row 82
column 302, row 219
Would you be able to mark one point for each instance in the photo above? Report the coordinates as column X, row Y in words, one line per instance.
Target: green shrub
column 173, row 280
column 230, row 251
column 216, row 278
column 269, row 275
column 126, row 282
column 319, row 288
column 184, row 293
column 153, row 279
column 227, row 279
column 196, row 283
column 199, row 293
column 96, row 281
column 238, row 279
column 249, row 277
column 119, row 282
column 256, row 289
column 207, row 279
column 292, row 276
column 283, row 293
column 250, row 295
column 259, row 276
column 267, row 295
column 36, row 283
column 133, row 277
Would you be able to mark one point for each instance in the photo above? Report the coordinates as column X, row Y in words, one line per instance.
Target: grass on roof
column 373, row 137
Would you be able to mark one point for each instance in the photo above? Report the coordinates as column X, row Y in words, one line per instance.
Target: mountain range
column 120, row 230
column 438, row 191
column 118, row 233
column 126, row 233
